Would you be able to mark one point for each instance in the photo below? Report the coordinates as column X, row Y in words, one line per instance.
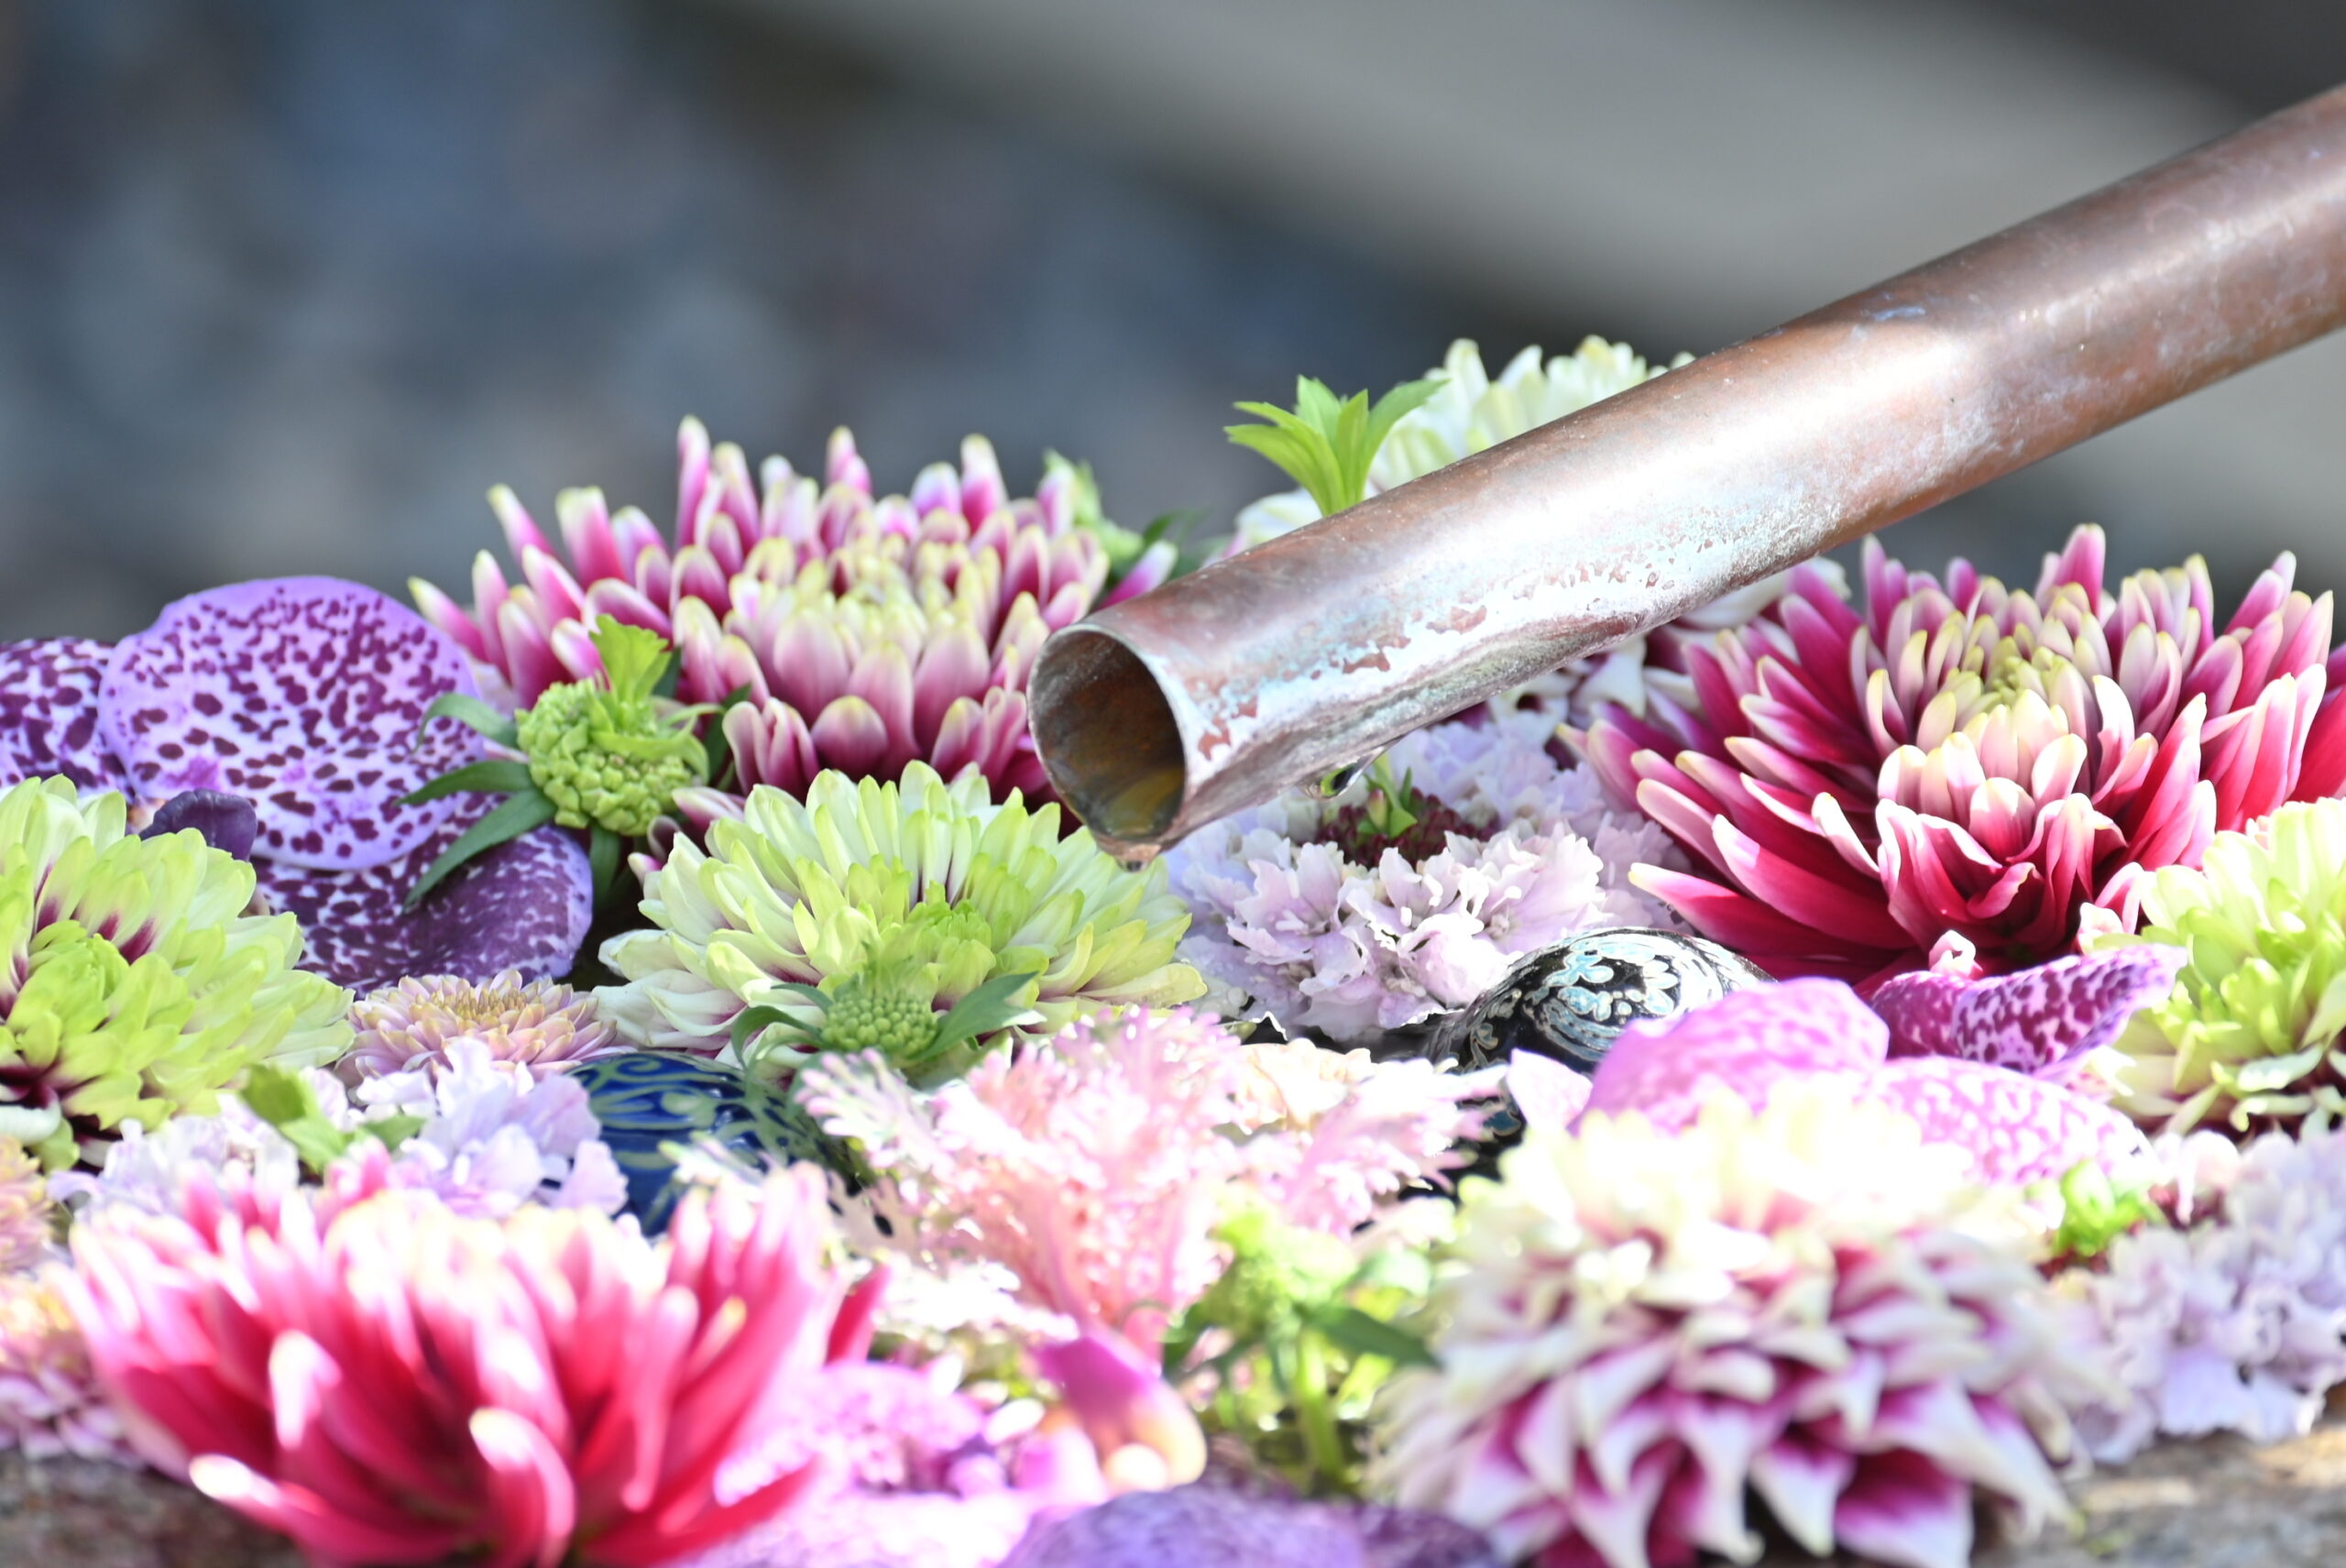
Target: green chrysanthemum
column 135, row 984
column 2251, row 1035
column 604, row 751
column 805, row 924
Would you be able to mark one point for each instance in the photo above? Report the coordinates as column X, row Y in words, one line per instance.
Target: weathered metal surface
column 1313, row 651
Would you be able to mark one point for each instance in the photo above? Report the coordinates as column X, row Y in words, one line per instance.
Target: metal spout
column 1310, row 651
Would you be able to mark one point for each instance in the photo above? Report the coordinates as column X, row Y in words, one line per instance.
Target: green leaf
column 393, row 1131
column 285, row 1103
column 753, row 1021
column 521, row 811
column 603, row 848
column 1356, row 1333
column 983, row 1011
column 1327, row 445
column 491, row 775
column 474, row 714
column 635, row 657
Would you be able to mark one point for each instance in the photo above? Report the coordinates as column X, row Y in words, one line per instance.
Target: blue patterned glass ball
column 650, row 1100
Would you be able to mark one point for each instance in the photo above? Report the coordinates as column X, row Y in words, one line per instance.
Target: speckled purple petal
column 49, row 713
column 1200, row 1526
column 303, row 695
column 2019, row 1129
column 2040, row 1020
column 525, row 904
column 1745, row 1042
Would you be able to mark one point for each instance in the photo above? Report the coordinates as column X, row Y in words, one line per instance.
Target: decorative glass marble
column 655, row 1104
column 1572, row 1001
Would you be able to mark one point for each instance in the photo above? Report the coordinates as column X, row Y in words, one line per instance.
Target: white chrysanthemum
column 2237, row 1323
column 918, row 892
column 1639, row 1333
column 1301, row 930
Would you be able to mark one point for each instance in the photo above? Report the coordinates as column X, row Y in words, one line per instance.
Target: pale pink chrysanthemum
column 1095, row 1167
column 385, row 1381
column 49, row 1401
column 540, row 1025
column 1856, row 783
column 1641, row 1333
column 866, row 631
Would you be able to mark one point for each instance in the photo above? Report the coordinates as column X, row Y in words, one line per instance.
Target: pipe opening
column 1107, row 736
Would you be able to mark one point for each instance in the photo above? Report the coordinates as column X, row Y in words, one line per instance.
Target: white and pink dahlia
column 1305, row 912
column 1858, row 784
column 1639, row 1334
column 866, row 631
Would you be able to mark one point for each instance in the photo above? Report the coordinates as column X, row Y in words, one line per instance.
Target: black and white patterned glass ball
column 1572, row 1001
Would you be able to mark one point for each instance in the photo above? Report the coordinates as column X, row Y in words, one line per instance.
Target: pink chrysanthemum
column 1639, row 1332
column 540, row 1025
column 866, row 631
column 1094, row 1168
column 1856, row 784
column 385, row 1381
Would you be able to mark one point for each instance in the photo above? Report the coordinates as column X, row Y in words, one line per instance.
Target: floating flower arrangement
column 639, row 1068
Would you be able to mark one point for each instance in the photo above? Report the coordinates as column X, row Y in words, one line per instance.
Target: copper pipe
column 1313, row 651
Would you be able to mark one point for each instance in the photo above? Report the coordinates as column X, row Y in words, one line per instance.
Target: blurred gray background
column 286, row 286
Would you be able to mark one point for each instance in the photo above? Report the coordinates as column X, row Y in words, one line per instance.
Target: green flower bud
column 605, row 751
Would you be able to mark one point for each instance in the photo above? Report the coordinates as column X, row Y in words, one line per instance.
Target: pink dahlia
column 1856, row 784
column 1640, row 1333
column 387, row 1382
column 866, row 631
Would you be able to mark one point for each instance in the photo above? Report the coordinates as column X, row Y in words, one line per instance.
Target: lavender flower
column 50, row 1403
column 495, row 1137
column 2236, row 1323
column 1308, row 913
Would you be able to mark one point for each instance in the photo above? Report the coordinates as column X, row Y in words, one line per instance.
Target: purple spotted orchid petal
column 303, row 695
column 49, row 713
column 1745, row 1042
column 2018, row 1128
column 2041, row 1021
column 522, row 906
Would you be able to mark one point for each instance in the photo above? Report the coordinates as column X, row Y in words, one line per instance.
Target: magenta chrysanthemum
column 1639, row 1332
column 866, row 631
column 537, row 1024
column 1857, row 784
column 384, row 1381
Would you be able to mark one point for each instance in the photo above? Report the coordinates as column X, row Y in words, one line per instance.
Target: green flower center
column 872, row 1015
